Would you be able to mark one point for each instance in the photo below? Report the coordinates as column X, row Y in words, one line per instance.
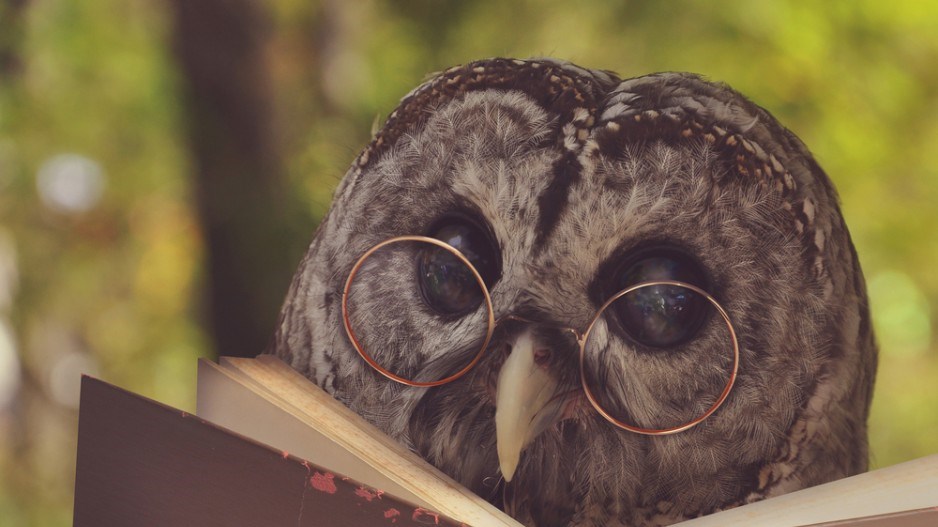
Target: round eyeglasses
column 378, row 315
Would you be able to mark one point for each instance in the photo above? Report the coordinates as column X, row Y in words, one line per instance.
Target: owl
column 592, row 301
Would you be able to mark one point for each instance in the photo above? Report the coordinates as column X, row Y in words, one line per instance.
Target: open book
column 265, row 399
column 271, row 448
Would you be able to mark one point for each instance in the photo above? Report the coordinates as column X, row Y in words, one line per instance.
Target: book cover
column 142, row 463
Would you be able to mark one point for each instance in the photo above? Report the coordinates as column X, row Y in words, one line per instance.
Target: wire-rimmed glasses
column 463, row 338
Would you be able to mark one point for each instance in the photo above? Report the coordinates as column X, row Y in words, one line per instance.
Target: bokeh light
column 9, row 358
column 9, row 367
column 70, row 183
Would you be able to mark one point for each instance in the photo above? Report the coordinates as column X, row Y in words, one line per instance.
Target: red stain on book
column 284, row 454
column 367, row 494
column 392, row 514
column 323, row 482
column 422, row 515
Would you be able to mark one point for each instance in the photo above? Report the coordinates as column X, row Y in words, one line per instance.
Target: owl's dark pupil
column 661, row 316
column 448, row 285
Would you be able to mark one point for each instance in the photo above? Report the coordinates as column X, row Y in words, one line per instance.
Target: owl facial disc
column 527, row 401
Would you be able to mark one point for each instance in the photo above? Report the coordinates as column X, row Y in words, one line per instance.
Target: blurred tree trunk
column 245, row 208
column 11, row 34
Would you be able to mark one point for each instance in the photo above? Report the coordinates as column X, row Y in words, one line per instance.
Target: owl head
column 554, row 189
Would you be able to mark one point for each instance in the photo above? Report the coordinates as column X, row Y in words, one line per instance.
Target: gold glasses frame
column 581, row 337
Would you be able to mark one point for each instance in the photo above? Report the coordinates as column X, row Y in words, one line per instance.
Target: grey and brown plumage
column 569, row 175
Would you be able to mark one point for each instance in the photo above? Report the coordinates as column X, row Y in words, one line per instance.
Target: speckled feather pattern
column 572, row 168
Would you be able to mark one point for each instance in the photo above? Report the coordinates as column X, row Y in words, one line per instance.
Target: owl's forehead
column 596, row 112
column 548, row 151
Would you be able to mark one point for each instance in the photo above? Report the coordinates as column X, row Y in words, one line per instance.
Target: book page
column 269, row 401
column 903, row 487
column 223, row 400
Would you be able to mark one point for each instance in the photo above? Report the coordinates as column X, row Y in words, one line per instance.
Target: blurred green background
column 164, row 164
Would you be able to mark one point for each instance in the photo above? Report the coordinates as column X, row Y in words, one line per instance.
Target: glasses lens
column 656, row 360
column 417, row 311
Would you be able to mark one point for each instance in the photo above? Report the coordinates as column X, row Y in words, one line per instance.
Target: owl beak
column 526, row 402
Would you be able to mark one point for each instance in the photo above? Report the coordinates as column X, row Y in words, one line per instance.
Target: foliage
column 116, row 289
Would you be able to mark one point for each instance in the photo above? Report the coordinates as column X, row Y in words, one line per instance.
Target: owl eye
column 447, row 284
column 660, row 316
